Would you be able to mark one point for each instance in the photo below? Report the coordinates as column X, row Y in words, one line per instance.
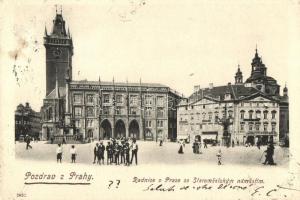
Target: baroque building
column 97, row 109
column 253, row 109
column 27, row 122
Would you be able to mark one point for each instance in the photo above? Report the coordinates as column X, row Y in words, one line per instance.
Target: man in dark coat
column 269, row 155
column 95, row 153
column 28, row 140
column 116, row 153
column 126, row 151
column 122, row 152
column 101, row 150
column 109, row 153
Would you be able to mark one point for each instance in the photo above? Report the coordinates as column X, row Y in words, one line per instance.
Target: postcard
column 148, row 99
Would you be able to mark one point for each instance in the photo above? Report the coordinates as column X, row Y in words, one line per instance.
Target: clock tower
column 59, row 52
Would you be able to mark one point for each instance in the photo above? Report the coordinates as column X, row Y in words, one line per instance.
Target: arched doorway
column 134, row 130
column 105, row 129
column 120, row 130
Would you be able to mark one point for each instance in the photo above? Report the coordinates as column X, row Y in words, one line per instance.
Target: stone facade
column 27, row 121
column 107, row 109
column 253, row 109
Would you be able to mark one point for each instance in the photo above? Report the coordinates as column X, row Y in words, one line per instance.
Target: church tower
column 59, row 52
column 238, row 76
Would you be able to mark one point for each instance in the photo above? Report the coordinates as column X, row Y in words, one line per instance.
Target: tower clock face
column 57, row 52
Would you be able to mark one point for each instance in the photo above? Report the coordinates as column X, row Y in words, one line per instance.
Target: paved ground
column 151, row 153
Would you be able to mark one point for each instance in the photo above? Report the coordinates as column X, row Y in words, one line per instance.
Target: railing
column 59, row 138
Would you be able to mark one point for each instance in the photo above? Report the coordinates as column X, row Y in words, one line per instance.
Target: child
column 219, row 155
column 59, row 153
column 73, row 153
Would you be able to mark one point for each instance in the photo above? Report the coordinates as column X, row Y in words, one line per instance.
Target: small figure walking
column 219, row 156
column 160, row 142
column 269, row 155
column 134, row 150
column 180, row 151
column 73, row 154
column 126, row 150
column 95, row 153
column 101, row 149
column 59, row 152
column 199, row 147
column 205, row 144
column 28, row 140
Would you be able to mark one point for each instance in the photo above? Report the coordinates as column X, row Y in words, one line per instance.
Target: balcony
column 256, row 133
column 251, row 120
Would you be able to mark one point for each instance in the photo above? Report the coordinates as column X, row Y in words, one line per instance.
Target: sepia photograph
column 147, row 99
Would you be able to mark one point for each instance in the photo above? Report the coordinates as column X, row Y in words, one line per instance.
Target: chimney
column 211, row 85
column 196, row 88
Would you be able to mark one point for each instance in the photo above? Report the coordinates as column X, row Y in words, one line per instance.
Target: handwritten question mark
column 111, row 182
column 118, row 183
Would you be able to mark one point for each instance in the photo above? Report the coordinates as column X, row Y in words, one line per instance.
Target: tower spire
column 46, row 33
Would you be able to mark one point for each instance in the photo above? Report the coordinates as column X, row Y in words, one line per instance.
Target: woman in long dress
column 180, row 151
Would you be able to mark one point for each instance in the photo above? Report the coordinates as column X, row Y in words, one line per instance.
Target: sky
column 176, row 43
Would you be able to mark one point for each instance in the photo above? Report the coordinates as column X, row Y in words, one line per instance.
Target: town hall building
column 100, row 109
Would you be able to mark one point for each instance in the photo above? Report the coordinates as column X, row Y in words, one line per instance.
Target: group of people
column 59, row 153
column 117, row 152
column 269, row 152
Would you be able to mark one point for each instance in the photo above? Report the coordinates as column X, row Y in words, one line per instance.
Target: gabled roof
column 237, row 91
column 258, row 94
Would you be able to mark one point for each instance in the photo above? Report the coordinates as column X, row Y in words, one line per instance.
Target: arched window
column 265, row 114
column 273, row 114
column 250, row 114
column 258, row 114
column 242, row 114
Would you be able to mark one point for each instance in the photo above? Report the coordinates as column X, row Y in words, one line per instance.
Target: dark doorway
column 105, row 130
column 134, row 130
column 120, row 129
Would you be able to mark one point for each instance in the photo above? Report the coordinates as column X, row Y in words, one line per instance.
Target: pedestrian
column 116, row 153
column 232, row 143
column 100, row 153
column 126, row 151
column 59, row 152
column 269, row 154
column 258, row 143
column 52, row 139
column 122, row 152
column 180, row 151
column 160, row 142
column 199, row 147
column 73, row 154
column 108, row 153
column 28, row 140
column 205, row 143
column 95, row 153
column 219, row 156
column 134, row 150
column 194, row 147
